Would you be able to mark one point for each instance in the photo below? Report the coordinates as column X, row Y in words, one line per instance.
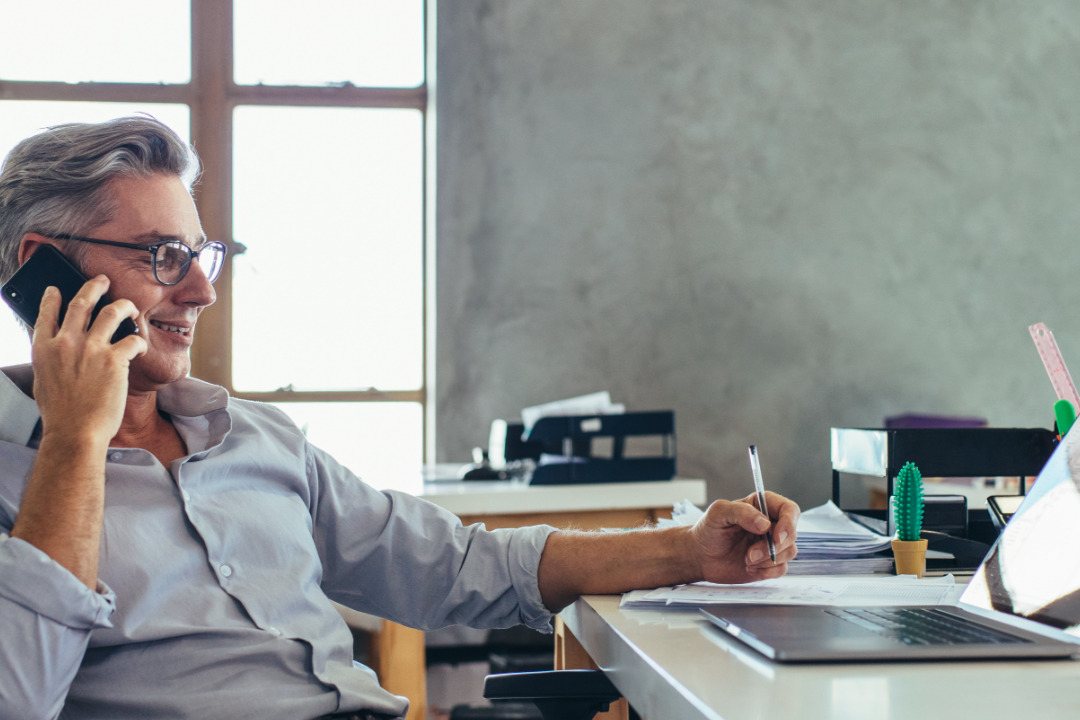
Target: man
column 168, row 551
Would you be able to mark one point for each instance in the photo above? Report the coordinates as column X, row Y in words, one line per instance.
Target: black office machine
column 627, row 447
column 941, row 452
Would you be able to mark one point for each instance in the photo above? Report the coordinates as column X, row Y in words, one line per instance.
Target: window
column 313, row 151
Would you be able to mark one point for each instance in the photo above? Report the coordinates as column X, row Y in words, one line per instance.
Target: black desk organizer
column 574, row 437
column 941, row 452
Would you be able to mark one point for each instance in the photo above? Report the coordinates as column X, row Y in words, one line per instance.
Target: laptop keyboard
column 923, row 626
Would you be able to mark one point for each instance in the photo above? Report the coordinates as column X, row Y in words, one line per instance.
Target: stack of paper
column 830, row 542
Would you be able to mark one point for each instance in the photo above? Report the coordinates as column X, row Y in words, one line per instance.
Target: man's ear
column 29, row 243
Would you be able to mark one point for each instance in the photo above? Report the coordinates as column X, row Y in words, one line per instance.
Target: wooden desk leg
column 570, row 655
column 397, row 657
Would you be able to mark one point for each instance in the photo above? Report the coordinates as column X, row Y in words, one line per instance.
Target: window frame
column 212, row 94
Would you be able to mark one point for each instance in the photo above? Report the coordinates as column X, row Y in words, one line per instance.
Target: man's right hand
column 80, row 378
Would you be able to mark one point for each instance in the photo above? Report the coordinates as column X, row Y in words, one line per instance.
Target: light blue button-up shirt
column 216, row 575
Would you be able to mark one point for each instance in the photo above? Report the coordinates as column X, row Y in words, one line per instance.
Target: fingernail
column 756, row 555
column 782, row 538
column 761, row 524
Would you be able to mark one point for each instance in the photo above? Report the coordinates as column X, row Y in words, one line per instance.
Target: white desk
column 397, row 652
column 670, row 665
column 515, row 504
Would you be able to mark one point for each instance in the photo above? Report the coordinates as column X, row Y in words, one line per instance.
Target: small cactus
column 908, row 503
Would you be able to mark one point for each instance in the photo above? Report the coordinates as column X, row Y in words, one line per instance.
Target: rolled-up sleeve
column 46, row 615
column 399, row 557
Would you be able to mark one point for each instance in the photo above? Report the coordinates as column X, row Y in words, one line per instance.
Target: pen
column 1064, row 416
column 759, row 488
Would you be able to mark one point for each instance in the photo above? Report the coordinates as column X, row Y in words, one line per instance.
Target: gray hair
column 57, row 182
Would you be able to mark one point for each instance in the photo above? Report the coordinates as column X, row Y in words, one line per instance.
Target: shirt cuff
column 525, row 550
column 34, row 580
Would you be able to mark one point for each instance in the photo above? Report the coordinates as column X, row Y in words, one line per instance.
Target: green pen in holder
column 909, row 550
column 1064, row 415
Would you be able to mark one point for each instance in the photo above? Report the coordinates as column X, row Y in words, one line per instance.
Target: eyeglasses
column 171, row 258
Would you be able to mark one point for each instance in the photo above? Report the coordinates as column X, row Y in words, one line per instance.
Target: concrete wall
column 773, row 217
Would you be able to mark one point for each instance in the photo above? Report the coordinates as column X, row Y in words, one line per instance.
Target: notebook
column 1022, row 602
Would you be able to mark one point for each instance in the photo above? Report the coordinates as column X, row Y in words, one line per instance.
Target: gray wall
column 773, row 217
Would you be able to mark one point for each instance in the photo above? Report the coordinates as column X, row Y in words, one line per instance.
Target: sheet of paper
column 807, row 590
column 598, row 403
column 828, row 519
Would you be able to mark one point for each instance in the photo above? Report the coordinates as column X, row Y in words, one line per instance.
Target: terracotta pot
column 910, row 557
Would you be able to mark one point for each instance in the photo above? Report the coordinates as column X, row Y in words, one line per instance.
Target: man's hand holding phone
column 80, row 376
column 82, row 342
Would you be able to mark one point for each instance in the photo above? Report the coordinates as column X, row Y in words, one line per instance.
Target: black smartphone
column 1002, row 507
column 48, row 266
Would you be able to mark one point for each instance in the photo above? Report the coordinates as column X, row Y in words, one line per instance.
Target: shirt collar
column 17, row 408
column 199, row 412
column 190, row 397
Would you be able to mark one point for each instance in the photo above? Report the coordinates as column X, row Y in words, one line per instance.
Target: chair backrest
column 558, row 694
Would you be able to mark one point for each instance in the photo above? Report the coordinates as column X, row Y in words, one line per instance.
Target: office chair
column 559, row 694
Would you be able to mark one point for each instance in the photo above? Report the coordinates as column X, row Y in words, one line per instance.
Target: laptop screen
column 1033, row 570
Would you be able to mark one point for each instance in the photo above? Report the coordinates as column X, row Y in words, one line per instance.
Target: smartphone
column 1002, row 507
column 48, row 266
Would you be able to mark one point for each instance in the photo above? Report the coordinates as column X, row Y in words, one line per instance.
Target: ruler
column 1054, row 364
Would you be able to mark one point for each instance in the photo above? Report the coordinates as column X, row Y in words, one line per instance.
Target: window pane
column 376, row 43
column 21, row 119
column 100, row 41
column 380, row 442
column 329, row 294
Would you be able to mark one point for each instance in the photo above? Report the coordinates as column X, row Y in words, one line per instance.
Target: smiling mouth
column 171, row 328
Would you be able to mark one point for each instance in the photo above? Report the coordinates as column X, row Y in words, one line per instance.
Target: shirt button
column 116, row 456
column 226, row 571
column 273, row 631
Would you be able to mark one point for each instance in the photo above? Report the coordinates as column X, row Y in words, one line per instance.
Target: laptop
column 1022, row 602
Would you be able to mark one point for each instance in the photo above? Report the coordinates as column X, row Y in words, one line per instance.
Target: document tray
column 593, row 448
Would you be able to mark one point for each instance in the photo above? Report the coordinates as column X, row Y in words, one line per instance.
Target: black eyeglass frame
column 152, row 249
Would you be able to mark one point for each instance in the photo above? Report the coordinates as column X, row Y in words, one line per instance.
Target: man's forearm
column 595, row 563
column 62, row 509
